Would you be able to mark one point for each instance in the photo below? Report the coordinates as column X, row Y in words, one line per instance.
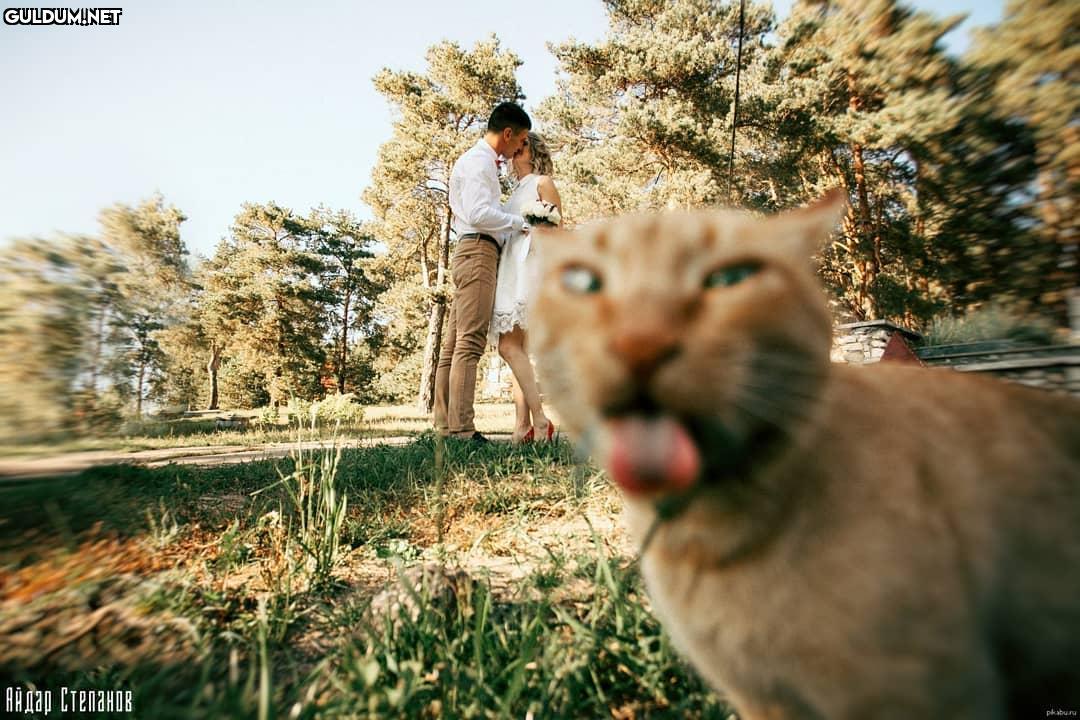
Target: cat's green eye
column 581, row 280
column 730, row 275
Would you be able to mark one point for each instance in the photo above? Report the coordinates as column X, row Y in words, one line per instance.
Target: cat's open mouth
column 651, row 451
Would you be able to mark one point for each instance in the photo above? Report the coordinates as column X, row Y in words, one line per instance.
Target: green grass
column 206, row 604
column 481, row 656
column 200, row 431
column 155, row 436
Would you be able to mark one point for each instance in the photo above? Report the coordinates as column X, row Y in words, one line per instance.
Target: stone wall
column 866, row 342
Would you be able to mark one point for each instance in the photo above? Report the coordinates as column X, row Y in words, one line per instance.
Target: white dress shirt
column 474, row 195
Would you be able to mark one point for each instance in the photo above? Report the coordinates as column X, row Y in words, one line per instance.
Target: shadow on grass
column 125, row 499
column 469, row 653
column 193, row 645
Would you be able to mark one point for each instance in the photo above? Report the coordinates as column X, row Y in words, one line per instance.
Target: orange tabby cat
column 822, row 541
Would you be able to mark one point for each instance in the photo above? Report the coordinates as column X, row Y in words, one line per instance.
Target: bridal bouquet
column 541, row 213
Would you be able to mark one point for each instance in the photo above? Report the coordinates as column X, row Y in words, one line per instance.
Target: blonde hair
column 541, row 156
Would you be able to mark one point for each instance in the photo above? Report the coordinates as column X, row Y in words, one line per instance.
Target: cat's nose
column 643, row 352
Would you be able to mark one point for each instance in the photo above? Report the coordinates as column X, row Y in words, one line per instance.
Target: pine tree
column 345, row 246
column 973, row 183
column 263, row 310
column 643, row 119
column 864, row 83
column 81, row 317
column 44, row 311
column 1031, row 62
column 189, row 377
column 153, row 273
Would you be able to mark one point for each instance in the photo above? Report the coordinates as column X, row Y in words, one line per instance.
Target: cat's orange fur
column 877, row 542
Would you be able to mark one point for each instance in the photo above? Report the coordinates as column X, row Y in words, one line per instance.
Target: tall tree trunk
column 425, row 399
column 425, row 269
column 95, row 358
column 344, row 341
column 848, row 242
column 276, row 382
column 444, row 252
column 142, row 325
column 139, row 382
column 212, row 368
column 868, row 266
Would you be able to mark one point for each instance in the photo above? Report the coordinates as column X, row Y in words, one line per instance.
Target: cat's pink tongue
column 652, row 454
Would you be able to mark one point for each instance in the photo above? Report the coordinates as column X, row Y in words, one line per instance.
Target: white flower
column 541, row 213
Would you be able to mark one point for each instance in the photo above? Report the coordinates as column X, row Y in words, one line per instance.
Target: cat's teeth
column 651, row 455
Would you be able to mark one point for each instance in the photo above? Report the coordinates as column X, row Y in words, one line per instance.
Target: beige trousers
column 473, row 270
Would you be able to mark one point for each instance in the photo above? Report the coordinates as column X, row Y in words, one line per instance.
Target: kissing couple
column 493, row 273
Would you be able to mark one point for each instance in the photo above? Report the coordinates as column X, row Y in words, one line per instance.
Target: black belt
column 481, row 236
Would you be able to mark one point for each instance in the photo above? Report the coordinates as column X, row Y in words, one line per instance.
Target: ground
column 455, row 582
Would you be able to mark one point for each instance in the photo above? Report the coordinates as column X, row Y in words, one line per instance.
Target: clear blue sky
column 218, row 103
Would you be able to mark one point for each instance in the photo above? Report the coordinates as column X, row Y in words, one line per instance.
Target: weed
column 318, row 504
column 232, row 550
column 163, row 527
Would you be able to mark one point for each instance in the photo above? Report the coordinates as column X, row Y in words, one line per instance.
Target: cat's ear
column 547, row 236
column 814, row 222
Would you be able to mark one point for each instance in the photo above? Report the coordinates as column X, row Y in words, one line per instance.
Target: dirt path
column 65, row 464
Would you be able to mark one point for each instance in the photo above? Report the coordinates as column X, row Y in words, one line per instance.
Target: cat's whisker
column 771, row 384
column 778, row 377
column 797, row 416
column 793, row 367
column 801, row 361
column 784, row 417
column 783, row 389
column 791, row 378
column 751, row 406
column 764, row 392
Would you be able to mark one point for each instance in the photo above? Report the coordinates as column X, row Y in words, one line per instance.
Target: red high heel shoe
column 551, row 430
column 528, row 437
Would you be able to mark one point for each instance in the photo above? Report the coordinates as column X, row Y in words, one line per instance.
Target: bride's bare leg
column 512, row 350
column 522, row 421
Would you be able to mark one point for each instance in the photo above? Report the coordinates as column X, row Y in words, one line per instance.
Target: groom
column 481, row 227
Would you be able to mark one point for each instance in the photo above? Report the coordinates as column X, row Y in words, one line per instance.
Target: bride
column 532, row 167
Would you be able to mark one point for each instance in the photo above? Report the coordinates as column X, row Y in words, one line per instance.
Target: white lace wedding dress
column 517, row 270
